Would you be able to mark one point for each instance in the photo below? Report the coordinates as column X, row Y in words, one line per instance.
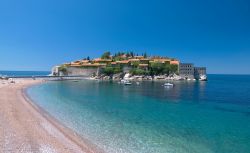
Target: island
column 132, row 66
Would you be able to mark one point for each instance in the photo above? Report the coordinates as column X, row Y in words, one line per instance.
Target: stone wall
column 186, row 70
column 83, row 71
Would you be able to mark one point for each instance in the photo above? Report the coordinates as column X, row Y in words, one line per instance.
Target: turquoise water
column 192, row 117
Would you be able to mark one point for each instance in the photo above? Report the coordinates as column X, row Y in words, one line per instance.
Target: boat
column 168, row 84
column 203, row 78
column 122, row 81
column 126, row 82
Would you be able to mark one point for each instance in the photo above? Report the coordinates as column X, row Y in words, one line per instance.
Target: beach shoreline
column 25, row 127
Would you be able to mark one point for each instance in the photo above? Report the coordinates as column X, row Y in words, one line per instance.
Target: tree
column 127, row 54
column 135, row 64
column 145, row 55
column 156, row 68
column 166, row 69
column 117, row 70
column 108, row 71
column 137, row 71
column 117, row 58
column 131, row 54
column 106, row 55
column 173, row 68
column 111, row 70
column 88, row 58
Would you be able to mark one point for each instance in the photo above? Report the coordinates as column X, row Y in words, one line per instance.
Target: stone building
column 186, row 70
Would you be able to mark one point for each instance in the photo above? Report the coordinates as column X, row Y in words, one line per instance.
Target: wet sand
column 24, row 127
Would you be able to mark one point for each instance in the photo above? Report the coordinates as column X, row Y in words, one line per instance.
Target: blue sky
column 35, row 35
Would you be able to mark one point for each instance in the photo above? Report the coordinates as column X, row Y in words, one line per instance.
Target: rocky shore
column 130, row 77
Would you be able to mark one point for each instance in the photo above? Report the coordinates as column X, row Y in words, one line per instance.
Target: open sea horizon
column 191, row 117
column 23, row 73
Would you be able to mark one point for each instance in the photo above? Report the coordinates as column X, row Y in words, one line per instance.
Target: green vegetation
column 117, row 58
column 156, row 68
column 106, row 55
column 125, row 55
column 109, row 70
column 122, row 56
column 88, row 58
column 174, row 68
column 160, row 68
column 138, row 71
column 143, row 65
column 153, row 69
column 135, row 64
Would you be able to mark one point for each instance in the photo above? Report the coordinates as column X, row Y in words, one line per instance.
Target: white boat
column 123, row 81
column 168, row 84
column 127, row 82
column 203, row 78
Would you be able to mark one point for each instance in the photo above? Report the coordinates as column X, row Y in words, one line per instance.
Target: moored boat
column 203, row 78
column 168, row 84
column 127, row 83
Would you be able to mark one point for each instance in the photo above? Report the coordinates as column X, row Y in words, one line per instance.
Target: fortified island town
column 131, row 66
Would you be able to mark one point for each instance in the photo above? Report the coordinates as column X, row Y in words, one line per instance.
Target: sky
column 38, row 34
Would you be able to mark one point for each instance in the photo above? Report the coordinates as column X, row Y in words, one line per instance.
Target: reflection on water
column 182, row 90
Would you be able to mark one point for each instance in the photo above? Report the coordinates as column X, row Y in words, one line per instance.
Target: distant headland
column 133, row 66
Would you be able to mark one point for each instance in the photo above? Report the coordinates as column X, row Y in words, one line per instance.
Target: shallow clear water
column 192, row 117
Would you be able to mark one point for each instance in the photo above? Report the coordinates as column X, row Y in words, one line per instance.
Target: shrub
column 137, row 71
column 174, row 68
column 106, row 55
column 111, row 70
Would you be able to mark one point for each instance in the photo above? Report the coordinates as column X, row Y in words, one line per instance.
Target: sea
column 192, row 117
column 24, row 73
